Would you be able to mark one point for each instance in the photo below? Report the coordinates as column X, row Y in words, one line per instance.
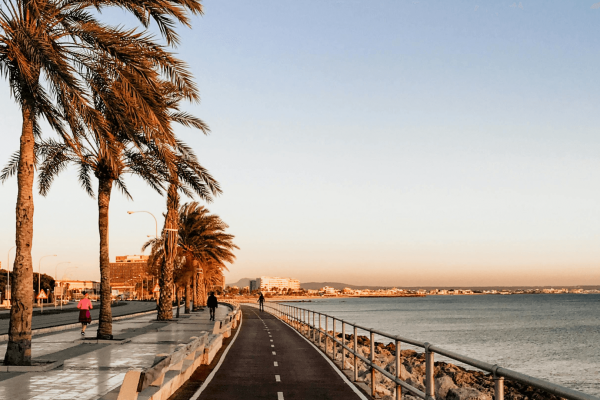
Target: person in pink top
column 85, row 305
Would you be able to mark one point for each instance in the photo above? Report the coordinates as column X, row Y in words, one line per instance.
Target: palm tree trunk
column 105, row 322
column 187, row 296
column 202, row 292
column 165, row 303
column 198, row 289
column 194, row 291
column 178, row 301
column 18, row 350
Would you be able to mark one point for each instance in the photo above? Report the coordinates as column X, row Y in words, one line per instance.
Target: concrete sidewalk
column 91, row 370
column 270, row 361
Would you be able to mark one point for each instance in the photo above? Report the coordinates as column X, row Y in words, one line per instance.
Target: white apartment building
column 270, row 283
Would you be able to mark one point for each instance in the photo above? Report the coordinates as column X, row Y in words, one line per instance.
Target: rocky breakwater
column 452, row 382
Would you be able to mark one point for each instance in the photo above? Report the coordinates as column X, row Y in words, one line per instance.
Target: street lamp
column 56, row 277
column 8, row 294
column 147, row 212
column 40, row 275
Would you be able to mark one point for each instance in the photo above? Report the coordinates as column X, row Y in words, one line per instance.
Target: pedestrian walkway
column 270, row 361
column 91, row 370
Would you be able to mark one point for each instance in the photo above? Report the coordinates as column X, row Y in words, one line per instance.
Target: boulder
column 443, row 384
column 466, row 393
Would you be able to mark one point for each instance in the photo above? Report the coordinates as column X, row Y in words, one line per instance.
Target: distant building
column 128, row 269
column 271, row 283
column 255, row 284
column 74, row 286
column 328, row 291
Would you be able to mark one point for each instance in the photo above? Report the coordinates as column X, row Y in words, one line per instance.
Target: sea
column 555, row 337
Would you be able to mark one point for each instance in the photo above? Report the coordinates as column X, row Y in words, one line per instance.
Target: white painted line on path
column 271, row 340
column 272, row 345
column 277, row 378
column 280, row 396
column 340, row 373
column 214, row 371
column 274, row 353
column 275, row 364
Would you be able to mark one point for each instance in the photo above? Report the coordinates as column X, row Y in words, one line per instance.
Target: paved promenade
column 92, row 370
column 49, row 320
column 270, row 361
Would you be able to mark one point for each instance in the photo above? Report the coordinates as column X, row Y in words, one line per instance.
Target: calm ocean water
column 553, row 337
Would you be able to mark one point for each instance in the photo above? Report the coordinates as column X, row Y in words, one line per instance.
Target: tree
column 49, row 49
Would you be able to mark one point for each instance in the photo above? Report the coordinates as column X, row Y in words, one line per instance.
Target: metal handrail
column 300, row 319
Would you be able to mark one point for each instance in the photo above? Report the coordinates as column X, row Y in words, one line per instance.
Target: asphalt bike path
column 269, row 360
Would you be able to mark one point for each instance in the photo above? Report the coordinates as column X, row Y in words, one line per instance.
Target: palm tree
column 48, row 48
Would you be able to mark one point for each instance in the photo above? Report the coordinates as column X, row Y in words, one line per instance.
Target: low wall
column 170, row 371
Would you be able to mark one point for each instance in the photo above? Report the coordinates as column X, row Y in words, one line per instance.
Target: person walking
column 85, row 305
column 212, row 303
column 261, row 302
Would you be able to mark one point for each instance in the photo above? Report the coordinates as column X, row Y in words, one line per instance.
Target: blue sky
column 383, row 142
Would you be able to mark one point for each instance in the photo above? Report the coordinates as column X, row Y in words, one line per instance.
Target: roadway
column 50, row 320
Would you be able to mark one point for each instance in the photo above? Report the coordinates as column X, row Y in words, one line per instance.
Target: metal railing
column 300, row 319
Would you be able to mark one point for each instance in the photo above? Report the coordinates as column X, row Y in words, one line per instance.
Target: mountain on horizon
column 241, row 283
column 339, row 285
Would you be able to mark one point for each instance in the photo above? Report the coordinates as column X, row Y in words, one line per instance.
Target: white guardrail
column 169, row 371
column 300, row 319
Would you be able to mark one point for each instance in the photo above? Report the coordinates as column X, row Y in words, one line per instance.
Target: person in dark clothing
column 261, row 302
column 212, row 303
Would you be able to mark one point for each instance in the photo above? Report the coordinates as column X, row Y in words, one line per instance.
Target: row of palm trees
column 202, row 251
column 112, row 96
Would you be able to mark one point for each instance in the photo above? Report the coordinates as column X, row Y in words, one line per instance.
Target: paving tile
column 129, row 355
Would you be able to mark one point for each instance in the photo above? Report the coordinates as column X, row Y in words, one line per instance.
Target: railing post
column 398, row 370
column 333, row 341
column 326, row 334
column 371, row 359
column 305, row 317
column 429, row 368
column 314, row 339
column 319, row 330
column 498, row 385
column 343, row 342
column 355, row 354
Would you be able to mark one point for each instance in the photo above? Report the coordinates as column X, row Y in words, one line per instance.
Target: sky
column 406, row 143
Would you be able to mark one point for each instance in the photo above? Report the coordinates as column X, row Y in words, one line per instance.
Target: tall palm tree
column 47, row 50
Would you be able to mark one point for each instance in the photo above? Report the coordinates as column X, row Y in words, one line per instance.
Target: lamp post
column 148, row 212
column 8, row 293
column 40, row 277
column 56, row 277
column 63, row 278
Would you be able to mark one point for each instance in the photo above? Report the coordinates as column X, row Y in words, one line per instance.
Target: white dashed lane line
column 277, row 378
column 272, row 345
column 280, row 396
column 275, row 364
column 274, row 353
